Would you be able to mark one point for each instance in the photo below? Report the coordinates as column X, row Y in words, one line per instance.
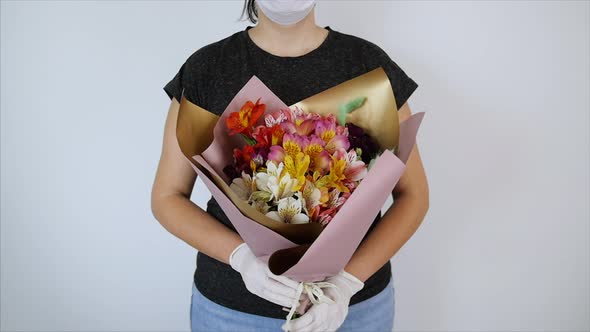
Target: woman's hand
column 260, row 280
column 326, row 316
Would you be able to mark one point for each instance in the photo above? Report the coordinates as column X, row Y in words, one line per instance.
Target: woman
column 295, row 58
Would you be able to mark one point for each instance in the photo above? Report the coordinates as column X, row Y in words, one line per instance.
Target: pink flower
column 276, row 154
column 326, row 216
column 325, row 129
column 335, row 200
column 321, row 162
column 355, row 169
column 351, row 185
column 291, row 141
column 341, row 130
column 337, row 142
column 304, row 128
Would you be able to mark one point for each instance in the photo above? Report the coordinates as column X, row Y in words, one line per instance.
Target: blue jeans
column 374, row 314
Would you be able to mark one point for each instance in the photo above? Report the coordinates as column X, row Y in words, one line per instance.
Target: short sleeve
column 185, row 80
column 174, row 88
column 403, row 86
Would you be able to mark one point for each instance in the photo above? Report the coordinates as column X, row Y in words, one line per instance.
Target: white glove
column 258, row 278
column 328, row 316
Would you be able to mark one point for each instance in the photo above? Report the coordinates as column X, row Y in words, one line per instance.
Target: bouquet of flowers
column 302, row 183
column 297, row 167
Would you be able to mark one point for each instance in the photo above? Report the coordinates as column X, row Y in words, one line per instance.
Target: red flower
column 268, row 136
column 242, row 121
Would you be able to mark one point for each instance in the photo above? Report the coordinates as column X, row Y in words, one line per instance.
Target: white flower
column 311, row 195
column 270, row 120
column 243, row 186
column 269, row 182
column 289, row 211
column 264, row 177
column 282, row 188
column 273, row 170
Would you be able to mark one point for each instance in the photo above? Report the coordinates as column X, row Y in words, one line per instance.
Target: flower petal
column 300, row 219
column 274, row 215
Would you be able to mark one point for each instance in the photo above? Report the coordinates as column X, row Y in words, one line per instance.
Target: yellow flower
column 291, row 147
column 328, row 135
column 297, row 167
column 335, row 177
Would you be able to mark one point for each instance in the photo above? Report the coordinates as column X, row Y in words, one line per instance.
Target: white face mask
column 286, row 12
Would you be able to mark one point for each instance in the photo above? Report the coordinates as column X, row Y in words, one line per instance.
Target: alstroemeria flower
column 276, row 154
column 259, row 156
column 341, row 130
column 335, row 200
column 314, row 146
column 242, row 121
column 268, row 136
column 356, row 169
column 299, row 127
column 335, row 177
column 261, row 196
column 314, row 213
column 289, row 211
column 351, row 185
column 326, row 216
column 321, row 162
column 325, row 129
column 311, row 195
column 276, row 118
column 319, row 158
column 243, row 159
column 260, row 206
column 274, row 169
column 295, row 113
column 337, row 142
column 297, row 167
column 293, row 144
column 283, row 187
column 275, row 183
column 244, row 186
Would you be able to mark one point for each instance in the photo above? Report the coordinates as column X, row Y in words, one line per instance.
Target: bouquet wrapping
column 307, row 252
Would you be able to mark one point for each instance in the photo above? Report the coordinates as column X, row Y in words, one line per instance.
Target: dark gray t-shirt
column 213, row 74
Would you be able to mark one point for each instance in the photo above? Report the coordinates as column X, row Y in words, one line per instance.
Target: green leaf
column 349, row 107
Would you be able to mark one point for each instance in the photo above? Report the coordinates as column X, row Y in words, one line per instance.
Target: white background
column 505, row 143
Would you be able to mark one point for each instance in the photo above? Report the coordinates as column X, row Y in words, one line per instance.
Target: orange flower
column 242, row 121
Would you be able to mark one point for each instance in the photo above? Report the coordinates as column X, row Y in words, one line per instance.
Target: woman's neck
column 293, row 40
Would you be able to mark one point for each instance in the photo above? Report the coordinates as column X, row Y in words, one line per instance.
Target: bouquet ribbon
column 314, row 292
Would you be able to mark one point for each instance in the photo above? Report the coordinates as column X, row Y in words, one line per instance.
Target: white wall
column 505, row 142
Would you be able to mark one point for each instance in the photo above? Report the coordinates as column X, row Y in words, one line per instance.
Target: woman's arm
column 171, row 204
column 399, row 222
